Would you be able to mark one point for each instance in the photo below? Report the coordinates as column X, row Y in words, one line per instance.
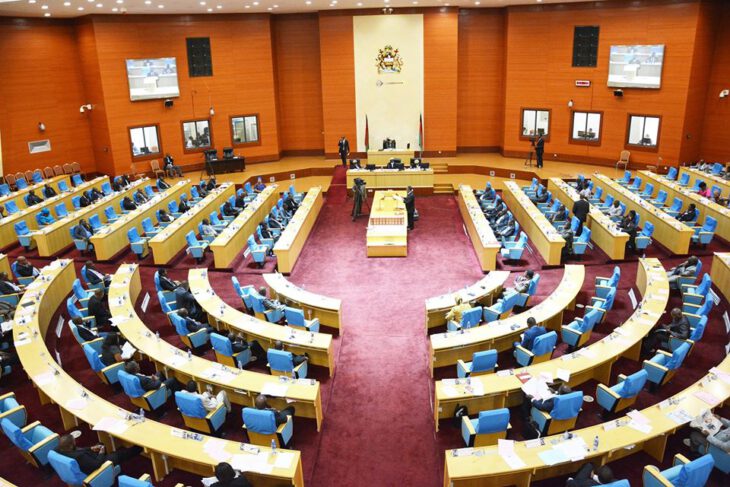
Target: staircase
column 439, row 167
column 443, row 188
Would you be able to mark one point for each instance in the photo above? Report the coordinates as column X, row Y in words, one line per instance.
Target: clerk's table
column 381, row 157
column 387, row 234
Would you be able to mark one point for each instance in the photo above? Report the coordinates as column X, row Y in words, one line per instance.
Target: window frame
column 258, row 128
column 184, row 140
column 597, row 142
column 143, row 157
column 522, row 119
column 640, row 147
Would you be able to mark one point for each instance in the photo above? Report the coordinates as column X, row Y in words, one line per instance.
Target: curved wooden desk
column 503, row 389
column 710, row 179
column 165, row 449
column 242, row 386
column 447, row 348
column 720, row 272
column 481, row 292
column 327, row 310
column 485, row 244
column 382, row 178
column 318, row 346
column 229, row 244
column 19, row 195
column 295, row 234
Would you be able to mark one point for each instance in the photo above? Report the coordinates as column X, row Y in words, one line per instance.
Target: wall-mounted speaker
column 168, row 103
column 618, row 93
column 200, row 62
column 585, row 46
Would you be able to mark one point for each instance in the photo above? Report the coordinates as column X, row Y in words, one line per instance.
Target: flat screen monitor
column 228, row 153
column 211, row 155
column 370, row 167
column 638, row 66
column 152, row 79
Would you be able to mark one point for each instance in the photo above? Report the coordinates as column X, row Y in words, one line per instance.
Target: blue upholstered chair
column 635, row 186
column 513, row 250
column 259, row 309
column 503, row 307
column 281, row 362
column 297, row 196
column 250, row 193
column 162, row 295
column 149, row 228
column 95, row 223
column 24, row 236
column 696, row 186
column 643, row 239
column 660, row 200
column 597, row 195
column 168, row 307
column 605, row 284
column 206, row 238
column 63, row 187
column 74, row 311
column 21, row 183
column 111, row 215
column 44, row 218
column 127, row 481
column 173, row 209
column 194, row 195
column 4, row 190
column 469, row 319
column 580, row 244
column 696, row 333
column 22, row 280
column 260, row 426
column 721, row 458
column 606, row 204
column 147, row 400
column 626, row 179
column 60, row 210
column 196, row 248
column 216, row 222
column 672, row 174
column 108, row 374
column 688, row 280
column 482, row 363
column 578, row 332
column 243, row 293
column 693, row 312
column 648, row 192
column 11, row 207
column 258, row 251
column 191, row 340
column 34, row 441
column 696, row 293
column 295, row 317
column 675, row 208
column 662, row 367
column 76, row 180
column 77, row 335
column 622, row 395
column 563, row 415
column 196, row 416
column 160, row 223
column 487, row 429
column 12, row 411
column 106, row 188
column 267, row 242
column 703, row 235
column 68, row 470
column 683, row 472
column 684, row 180
column 523, row 299
column 138, row 244
column 602, row 305
column 542, row 350
column 532, row 188
column 149, row 192
column 99, row 285
column 224, row 351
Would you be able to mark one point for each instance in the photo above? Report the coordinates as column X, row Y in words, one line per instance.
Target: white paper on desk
column 643, row 427
column 77, row 403
column 23, row 341
column 111, row 425
column 574, row 449
column 513, row 461
column 251, row 463
column 723, row 376
column 505, row 447
column 477, row 388
column 638, row 417
column 128, row 351
column 450, row 391
column 632, row 297
column 6, row 326
column 588, row 353
column 707, row 397
column 43, row 379
column 504, row 373
column 553, row 456
column 680, row 416
column 546, row 376
column 275, row 389
column 145, row 302
column 537, row 389
column 118, row 320
column 283, row 459
column 563, row 375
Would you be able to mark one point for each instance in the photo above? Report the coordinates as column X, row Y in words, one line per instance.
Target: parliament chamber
column 357, row 243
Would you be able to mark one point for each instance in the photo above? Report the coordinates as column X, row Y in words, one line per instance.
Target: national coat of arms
column 389, row 60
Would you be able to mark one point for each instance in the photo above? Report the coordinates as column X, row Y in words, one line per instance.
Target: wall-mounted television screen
column 151, row 79
column 636, row 66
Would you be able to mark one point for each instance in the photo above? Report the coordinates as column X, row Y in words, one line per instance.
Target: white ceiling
column 77, row 8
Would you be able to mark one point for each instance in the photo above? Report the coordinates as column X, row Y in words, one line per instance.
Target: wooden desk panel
column 720, row 272
column 486, row 245
column 232, row 240
column 592, row 362
column 171, row 240
column 295, row 235
column 392, row 178
column 18, row 196
column 165, row 450
column 327, row 310
column 710, row 179
column 382, row 157
column 387, row 232
column 543, row 235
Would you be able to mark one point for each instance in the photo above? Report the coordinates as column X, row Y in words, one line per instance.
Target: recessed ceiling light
column 247, row 6
column 119, row 2
column 99, row 5
column 256, row 4
column 276, row 6
column 269, row 9
column 477, row 3
column 44, row 7
column 359, row 4
column 308, row 2
column 66, row 4
column 147, row 2
column 333, row 1
column 202, row 3
column 210, row 9
column 31, row 1
column 219, row 7
column 415, row 3
column 80, row 9
column 115, row 9
column 160, row 6
column 47, row 14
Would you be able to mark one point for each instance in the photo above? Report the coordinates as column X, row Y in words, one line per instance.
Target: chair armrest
column 282, row 426
column 7, row 395
column 650, row 364
column 621, row 377
column 148, row 394
column 607, row 390
column 654, row 473
column 145, row 477
column 212, row 413
column 569, row 331
column 680, row 459
column 30, row 426
column 596, row 308
column 105, row 467
column 109, row 368
column 524, row 350
column 45, row 441
column 198, row 333
column 296, row 369
column 663, row 352
column 466, row 423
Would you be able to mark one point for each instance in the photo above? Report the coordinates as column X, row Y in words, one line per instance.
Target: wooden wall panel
column 337, row 60
column 539, row 73
column 299, row 80
column 715, row 140
column 440, row 71
column 480, row 111
column 41, row 82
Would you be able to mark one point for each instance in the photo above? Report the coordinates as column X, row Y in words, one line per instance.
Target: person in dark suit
column 90, row 459
column 581, row 208
column 185, row 299
column 290, row 206
column 546, row 405
column 94, row 276
column 567, row 234
column 152, row 382
column 128, row 204
column 539, row 149
column 95, row 195
column 170, row 166
column 183, row 205
column 84, row 200
column 99, row 309
column 297, row 359
column 168, row 284
column 239, row 344
column 211, row 184
column 659, row 338
column 230, row 210
column 588, row 476
column 87, row 334
column 688, row 268
column 628, row 225
column 227, row 477
column 7, row 286
column 533, row 331
column 162, row 184
column 687, row 215
column 165, row 217
column 410, row 202
column 48, row 191
column 32, row 198
column 191, row 324
column 240, row 201
column 23, row 268
column 343, row 148
column 140, row 197
column 281, row 416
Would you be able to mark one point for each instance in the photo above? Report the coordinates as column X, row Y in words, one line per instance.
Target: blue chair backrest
column 698, row 268
column 251, row 242
column 21, row 183
column 699, row 329
column 127, row 481
column 295, row 316
column 532, row 287
column 149, row 191
column 585, row 235
column 156, row 279
column 695, row 473
column 191, row 239
column 545, row 343
column 12, row 207
column 95, row 221
column 133, row 235
column 717, row 168
column 67, row 468
column 706, row 306
column 221, row 344
column 672, row 174
column 676, row 204
column 567, row 406
column 78, row 289
column 493, row 421
column 110, row 213
column 648, row 229
column 194, row 192
column 21, row 228
column 93, row 357
column 610, row 297
column 589, row 320
column 15, row 434
column 106, row 188
column 262, row 421
column 522, row 241
column 172, row 206
column 710, row 224
column 214, row 220
column 280, row 359
column 76, row 179
column 248, row 188
column 633, row 384
column 63, row 186
column 609, row 200
column 485, row 360
column 130, row 384
column 179, row 323
column 649, row 189
column 147, row 225
column 190, row 405
column 76, row 201
column 72, row 310
column 684, row 179
column 163, row 303
column 471, row 317
column 675, row 361
column 661, row 196
column 4, row 190
column 622, row 205
column 615, row 277
column 61, row 210
column 704, row 285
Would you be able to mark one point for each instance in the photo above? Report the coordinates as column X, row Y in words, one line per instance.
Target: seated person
column 162, row 184
column 165, row 217
column 628, row 225
column 259, row 186
column 716, row 197
column 168, row 284
column 128, row 204
column 659, row 338
column 94, row 276
column 84, row 200
column 533, row 331
column 191, row 324
column 290, row 206
column 8, row 357
column 500, row 220
column 48, row 191
column 23, row 268
column 227, row 477
column 266, row 233
column 240, row 201
column 111, row 349
column 95, row 195
column 83, row 231
column 210, row 402
column 507, row 231
column 7, row 286
column 540, row 198
column 140, row 197
column 183, row 205
column 99, row 309
column 208, row 230
column 688, row 214
column 588, row 475
column 355, row 164
column 270, row 303
column 615, row 209
column 567, row 234
column 545, row 405
column 704, row 190
column 230, row 210
column 2, row 212
column 522, row 283
column 91, row 459
column 281, row 416
column 85, row 332
column 239, row 344
column 391, row 164
column 586, row 192
column 45, row 218
column 688, row 268
column 497, row 215
column 152, row 382
column 493, row 212
column 456, row 311
column 488, row 195
column 709, row 430
column 297, row 359
column 170, row 166
column 275, row 223
column 211, row 184
column 559, row 216
column 32, row 198
column 185, row 299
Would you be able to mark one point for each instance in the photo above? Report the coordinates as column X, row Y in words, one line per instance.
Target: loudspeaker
column 618, row 93
column 200, row 62
column 585, row 46
column 168, row 103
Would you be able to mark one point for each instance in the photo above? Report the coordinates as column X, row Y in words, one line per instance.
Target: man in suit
column 152, row 382
column 410, row 202
column 48, row 191
column 170, row 166
column 84, row 200
column 94, row 276
column 32, row 198
column 23, row 268
column 581, row 208
column 659, row 338
column 165, row 217
column 281, row 416
column 588, row 475
column 168, row 284
column 140, row 197
column 90, row 459
column 533, row 331
column 83, row 231
column 539, row 149
column 227, row 477
column 162, row 184
column 184, row 299
column 688, row 268
column 7, row 286
column 99, row 309
column 191, row 324
column 297, row 359
column 128, row 204
column 343, row 148
column 567, row 234
column 183, row 205
column 709, row 429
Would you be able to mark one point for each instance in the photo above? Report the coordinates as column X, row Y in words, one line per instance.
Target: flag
column 420, row 132
column 367, row 135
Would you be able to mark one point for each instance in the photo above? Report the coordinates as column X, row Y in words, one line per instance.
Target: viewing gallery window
column 196, row 135
column 535, row 121
column 245, row 130
column 145, row 141
column 586, row 128
column 643, row 132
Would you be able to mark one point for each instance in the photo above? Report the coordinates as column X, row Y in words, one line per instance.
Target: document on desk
column 707, row 397
column 574, row 449
column 77, row 403
column 43, row 379
column 275, row 389
column 553, row 457
column 128, row 351
column 537, row 388
column 642, row 427
column 680, row 416
column 638, row 417
column 283, row 459
column 505, row 447
column 252, row 463
column 111, row 425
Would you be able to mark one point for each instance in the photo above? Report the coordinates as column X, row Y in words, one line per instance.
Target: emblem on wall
column 389, row 60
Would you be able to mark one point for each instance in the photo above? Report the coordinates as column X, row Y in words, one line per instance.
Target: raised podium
column 387, row 234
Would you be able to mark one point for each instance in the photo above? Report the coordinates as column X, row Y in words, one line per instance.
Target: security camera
column 724, row 93
column 87, row 107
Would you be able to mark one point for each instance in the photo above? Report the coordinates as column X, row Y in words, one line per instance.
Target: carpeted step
column 443, row 188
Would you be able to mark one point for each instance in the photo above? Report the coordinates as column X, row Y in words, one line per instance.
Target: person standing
column 410, row 202
column 581, row 209
column 343, row 147
column 539, row 149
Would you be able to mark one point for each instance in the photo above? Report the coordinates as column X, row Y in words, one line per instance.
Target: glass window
column 196, row 134
column 145, row 141
column 245, row 129
column 643, row 131
column 586, row 127
column 535, row 122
